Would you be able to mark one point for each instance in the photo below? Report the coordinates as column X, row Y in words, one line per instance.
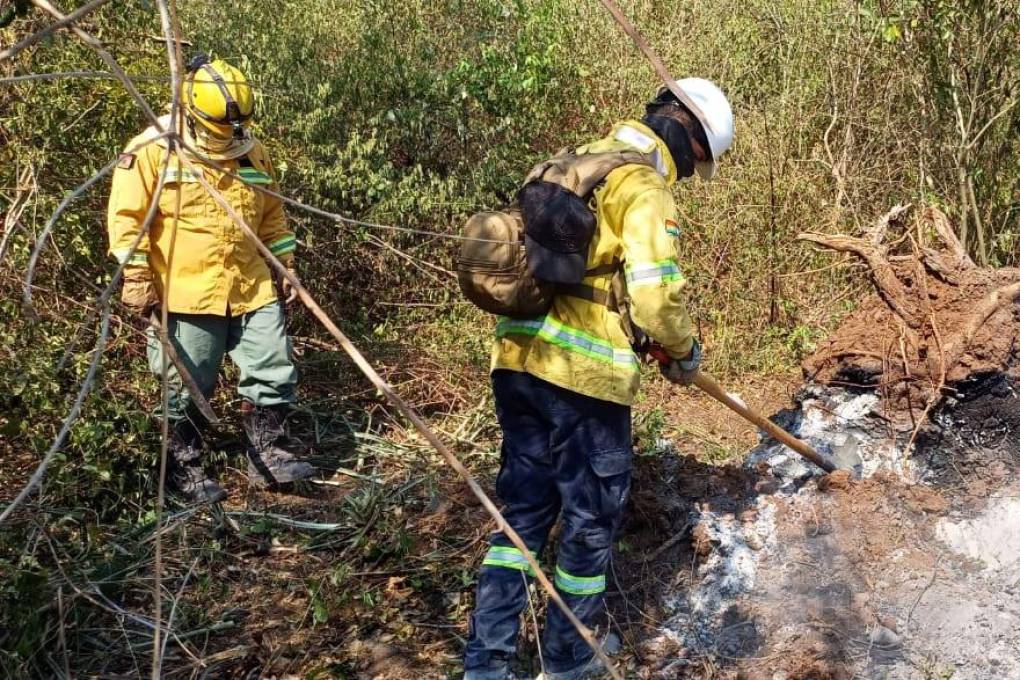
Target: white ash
column 992, row 538
column 826, row 418
column 700, row 615
column 706, row 619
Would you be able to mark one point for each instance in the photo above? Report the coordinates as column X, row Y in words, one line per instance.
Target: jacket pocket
column 194, row 202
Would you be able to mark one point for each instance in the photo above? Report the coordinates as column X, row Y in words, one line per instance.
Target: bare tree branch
column 65, row 428
column 97, row 46
column 43, row 238
column 886, row 282
column 55, row 26
column 101, row 303
column 98, row 75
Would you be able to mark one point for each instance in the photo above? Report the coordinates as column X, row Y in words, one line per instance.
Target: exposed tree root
column 937, row 318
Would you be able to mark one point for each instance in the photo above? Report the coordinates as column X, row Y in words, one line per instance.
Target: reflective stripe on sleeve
column 179, row 175
column 254, row 176
column 283, row 245
column 579, row 585
column 646, row 273
column 509, row 558
column 571, row 339
column 125, row 256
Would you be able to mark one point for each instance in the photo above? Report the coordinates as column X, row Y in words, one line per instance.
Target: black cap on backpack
column 559, row 227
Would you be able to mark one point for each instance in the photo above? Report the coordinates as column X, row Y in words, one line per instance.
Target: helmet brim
column 705, row 169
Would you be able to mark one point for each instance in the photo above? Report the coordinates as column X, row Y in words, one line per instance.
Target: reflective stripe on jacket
column 215, row 269
column 581, row 345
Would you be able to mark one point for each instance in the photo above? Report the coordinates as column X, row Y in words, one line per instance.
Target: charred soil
column 769, row 570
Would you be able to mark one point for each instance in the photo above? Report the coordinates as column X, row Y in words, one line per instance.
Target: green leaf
column 320, row 613
column 892, row 32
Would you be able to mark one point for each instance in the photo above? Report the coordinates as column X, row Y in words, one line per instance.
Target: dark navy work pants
column 564, row 453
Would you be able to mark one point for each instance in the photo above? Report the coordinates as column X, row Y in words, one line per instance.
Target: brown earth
column 935, row 319
column 869, row 347
column 853, row 578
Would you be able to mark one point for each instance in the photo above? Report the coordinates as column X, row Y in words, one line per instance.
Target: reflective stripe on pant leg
column 593, row 478
column 508, row 558
column 579, row 585
column 527, row 488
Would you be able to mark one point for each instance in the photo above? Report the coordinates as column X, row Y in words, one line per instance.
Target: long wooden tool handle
column 710, row 387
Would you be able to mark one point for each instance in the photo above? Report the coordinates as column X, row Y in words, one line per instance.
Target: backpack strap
column 582, row 173
column 590, row 293
column 607, row 268
column 598, row 296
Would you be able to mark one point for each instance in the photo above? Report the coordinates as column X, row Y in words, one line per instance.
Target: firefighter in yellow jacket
column 564, row 382
column 219, row 292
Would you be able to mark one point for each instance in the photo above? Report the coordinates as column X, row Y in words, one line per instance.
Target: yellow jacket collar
column 641, row 137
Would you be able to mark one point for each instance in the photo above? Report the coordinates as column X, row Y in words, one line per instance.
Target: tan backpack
column 493, row 269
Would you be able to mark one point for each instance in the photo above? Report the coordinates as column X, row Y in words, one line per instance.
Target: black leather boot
column 185, row 466
column 269, row 463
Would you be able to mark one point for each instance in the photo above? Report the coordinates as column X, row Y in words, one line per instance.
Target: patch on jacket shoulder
column 125, row 161
column 672, row 228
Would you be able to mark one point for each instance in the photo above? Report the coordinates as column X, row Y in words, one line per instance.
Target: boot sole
column 259, row 480
column 218, row 497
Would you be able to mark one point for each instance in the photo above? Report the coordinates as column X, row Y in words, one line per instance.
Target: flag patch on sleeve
column 672, row 228
column 126, row 161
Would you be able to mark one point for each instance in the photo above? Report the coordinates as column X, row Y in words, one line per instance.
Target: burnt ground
column 875, row 578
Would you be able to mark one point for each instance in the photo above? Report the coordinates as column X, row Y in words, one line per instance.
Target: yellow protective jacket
column 215, row 269
column 580, row 345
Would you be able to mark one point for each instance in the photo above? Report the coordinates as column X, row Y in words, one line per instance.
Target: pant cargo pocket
column 612, row 470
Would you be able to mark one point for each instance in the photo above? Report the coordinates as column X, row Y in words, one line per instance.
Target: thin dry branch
column 43, row 238
column 97, row 75
column 97, row 46
column 101, row 303
column 341, row 219
column 9, row 236
column 26, row 188
column 171, row 35
column 936, row 392
column 49, row 30
column 65, row 428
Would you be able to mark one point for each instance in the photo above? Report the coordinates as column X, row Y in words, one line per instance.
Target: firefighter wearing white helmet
column 706, row 115
column 218, row 290
column 564, row 381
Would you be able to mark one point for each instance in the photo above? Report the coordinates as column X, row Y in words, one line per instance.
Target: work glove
column 682, row 371
column 138, row 292
column 287, row 290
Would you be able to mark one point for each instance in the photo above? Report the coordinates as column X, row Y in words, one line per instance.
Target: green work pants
column 257, row 343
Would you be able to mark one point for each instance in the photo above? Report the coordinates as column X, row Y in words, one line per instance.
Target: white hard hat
column 716, row 117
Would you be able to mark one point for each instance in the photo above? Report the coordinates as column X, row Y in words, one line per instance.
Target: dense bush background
column 419, row 112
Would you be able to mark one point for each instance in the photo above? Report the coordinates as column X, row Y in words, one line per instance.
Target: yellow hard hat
column 218, row 96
